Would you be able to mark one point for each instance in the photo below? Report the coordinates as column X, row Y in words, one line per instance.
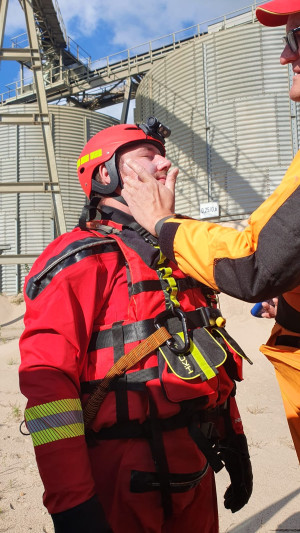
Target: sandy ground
column 275, row 503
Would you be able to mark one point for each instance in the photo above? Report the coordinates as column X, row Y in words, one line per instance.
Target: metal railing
column 128, row 59
column 60, row 20
column 21, row 41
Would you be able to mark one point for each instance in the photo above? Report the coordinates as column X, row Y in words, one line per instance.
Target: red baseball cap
column 276, row 12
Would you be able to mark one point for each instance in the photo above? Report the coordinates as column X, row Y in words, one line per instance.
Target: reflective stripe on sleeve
column 53, row 421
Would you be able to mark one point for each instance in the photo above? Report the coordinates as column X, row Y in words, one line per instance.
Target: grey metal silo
column 225, row 98
column 26, row 220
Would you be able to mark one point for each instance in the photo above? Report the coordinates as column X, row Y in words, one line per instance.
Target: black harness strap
column 89, row 212
column 133, row 429
column 138, row 331
column 287, row 316
column 288, row 340
column 141, row 481
column 205, row 445
column 148, row 237
column 135, row 381
column 160, row 460
column 150, row 285
column 121, row 392
column 201, row 428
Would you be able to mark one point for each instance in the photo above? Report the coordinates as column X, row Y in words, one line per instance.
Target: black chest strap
column 287, row 316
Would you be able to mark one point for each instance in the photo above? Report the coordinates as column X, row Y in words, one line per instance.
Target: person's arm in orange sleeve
column 257, row 263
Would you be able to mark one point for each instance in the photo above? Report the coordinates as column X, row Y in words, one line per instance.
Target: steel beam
column 126, row 101
column 43, row 110
column 3, row 13
column 24, row 118
column 28, row 187
column 20, row 259
column 18, row 54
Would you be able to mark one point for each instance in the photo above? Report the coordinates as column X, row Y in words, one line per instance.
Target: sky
column 105, row 27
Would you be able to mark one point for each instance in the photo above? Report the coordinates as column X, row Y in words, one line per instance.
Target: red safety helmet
column 102, row 148
column 276, row 12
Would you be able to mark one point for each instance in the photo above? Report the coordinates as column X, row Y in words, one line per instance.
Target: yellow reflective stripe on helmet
column 85, row 159
column 95, row 154
column 202, row 363
column 52, row 408
column 58, row 433
column 88, row 157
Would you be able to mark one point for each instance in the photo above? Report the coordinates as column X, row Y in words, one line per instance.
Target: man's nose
column 288, row 56
column 163, row 163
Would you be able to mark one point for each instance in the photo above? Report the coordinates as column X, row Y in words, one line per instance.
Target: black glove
column 88, row 517
column 235, row 455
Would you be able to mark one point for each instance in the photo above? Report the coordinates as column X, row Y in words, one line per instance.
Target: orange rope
column 125, row 362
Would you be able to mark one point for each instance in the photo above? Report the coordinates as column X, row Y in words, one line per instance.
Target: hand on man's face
column 149, row 200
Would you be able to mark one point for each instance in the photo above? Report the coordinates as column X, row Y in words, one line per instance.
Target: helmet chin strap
column 115, row 182
column 120, row 199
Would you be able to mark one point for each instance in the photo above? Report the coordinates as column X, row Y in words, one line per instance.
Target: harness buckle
column 173, row 344
column 211, row 317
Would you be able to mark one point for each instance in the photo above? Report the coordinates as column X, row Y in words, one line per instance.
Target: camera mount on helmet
column 155, row 129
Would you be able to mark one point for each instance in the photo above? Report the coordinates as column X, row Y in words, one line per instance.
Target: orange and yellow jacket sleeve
column 283, row 351
column 257, row 263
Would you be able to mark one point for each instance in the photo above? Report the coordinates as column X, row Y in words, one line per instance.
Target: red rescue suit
column 90, row 298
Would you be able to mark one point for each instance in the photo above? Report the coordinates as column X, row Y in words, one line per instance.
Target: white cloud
column 125, row 24
column 130, row 23
column 135, row 22
column 15, row 20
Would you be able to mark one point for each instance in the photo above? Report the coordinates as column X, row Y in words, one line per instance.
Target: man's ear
column 104, row 176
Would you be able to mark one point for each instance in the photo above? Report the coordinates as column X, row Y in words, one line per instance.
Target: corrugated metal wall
column 225, row 98
column 26, row 220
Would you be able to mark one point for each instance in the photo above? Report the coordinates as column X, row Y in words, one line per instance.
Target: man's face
column 288, row 56
column 148, row 156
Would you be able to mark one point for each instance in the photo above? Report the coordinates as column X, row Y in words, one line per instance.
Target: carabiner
column 173, row 344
